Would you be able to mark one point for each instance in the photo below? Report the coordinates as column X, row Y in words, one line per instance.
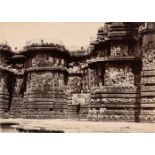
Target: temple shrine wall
column 113, row 80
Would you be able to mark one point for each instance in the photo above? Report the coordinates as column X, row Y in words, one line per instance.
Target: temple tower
column 45, row 75
column 115, row 73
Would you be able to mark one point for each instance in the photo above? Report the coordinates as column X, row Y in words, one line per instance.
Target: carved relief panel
column 3, row 82
column 44, row 60
column 85, row 83
column 81, row 99
column 2, row 60
column 119, row 50
column 18, row 85
column 93, row 78
column 149, row 56
column 118, row 75
column 74, row 84
column 45, row 81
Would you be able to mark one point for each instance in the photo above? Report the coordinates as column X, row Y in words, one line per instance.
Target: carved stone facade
column 118, row 50
column 75, row 84
column 119, row 75
column 114, row 80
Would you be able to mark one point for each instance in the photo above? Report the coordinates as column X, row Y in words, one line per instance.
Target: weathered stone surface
column 114, row 80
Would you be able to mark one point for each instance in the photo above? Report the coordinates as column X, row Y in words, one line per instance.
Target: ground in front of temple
column 74, row 126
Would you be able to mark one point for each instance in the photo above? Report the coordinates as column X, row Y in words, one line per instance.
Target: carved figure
column 93, row 78
column 74, row 84
column 117, row 50
column 18, row 85
column 118, row 76
column 149, row 55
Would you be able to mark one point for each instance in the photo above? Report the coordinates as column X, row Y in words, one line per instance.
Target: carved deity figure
column 18, row 85
column 93, row 78
column 118, row 50
column 3, row 84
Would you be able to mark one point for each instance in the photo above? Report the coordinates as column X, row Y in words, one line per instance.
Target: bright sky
column 73, row 35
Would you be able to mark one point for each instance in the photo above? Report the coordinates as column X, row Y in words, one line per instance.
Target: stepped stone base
column 4, row 104
column 44, row 105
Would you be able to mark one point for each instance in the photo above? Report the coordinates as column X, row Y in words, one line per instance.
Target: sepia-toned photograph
column 77, row 77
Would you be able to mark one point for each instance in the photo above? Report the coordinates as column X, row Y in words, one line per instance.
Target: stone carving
column 119, row 76
column 96, row 115
column 147, row 100
column 120, row 100
column 82, row 99
column 61, row 80
column 118, row 50
column 50, row 61
column 39, row 61
column 2, row 85
column 3, row 82
column 46, row 61
column 45, row 82
column 149, row 56
column 148, row 80
column 85, row 84
column 18, row 85
column 56, row 80
column 93, row 78
column 74, row 84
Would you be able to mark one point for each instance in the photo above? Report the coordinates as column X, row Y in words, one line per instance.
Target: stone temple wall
column 113, row 80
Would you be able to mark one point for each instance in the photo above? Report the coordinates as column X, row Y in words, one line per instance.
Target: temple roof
column 5, row 48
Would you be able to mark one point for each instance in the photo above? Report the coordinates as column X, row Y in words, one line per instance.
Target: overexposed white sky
column 72, row 34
